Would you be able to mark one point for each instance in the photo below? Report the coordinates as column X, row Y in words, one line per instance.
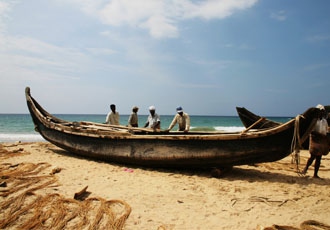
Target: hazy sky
column 79, row 56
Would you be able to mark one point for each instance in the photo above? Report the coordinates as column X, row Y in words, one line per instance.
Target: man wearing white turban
column 153, row 120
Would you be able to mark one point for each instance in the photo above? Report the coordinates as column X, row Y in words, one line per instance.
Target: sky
column 80, row 56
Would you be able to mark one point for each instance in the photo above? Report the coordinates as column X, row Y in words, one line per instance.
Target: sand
column 248, row 197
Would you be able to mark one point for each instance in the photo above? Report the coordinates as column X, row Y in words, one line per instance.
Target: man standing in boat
column 133, row 118
column 318, row 145
column 113, row 116
column 153, row 121
column 182, row 119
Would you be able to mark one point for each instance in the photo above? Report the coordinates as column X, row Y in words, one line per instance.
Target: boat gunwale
column 49, row 121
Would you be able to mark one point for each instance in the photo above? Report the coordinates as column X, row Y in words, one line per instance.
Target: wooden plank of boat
column 143, row 147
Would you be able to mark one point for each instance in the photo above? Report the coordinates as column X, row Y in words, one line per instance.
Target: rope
column 296, row 143
column 306, row 225
column 27, row 203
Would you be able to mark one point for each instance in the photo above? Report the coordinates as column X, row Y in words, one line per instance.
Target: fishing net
column 306, row 225
column 28, row 201
column 4, row 153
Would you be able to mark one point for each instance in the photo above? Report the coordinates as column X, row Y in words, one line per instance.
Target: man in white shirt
column 182, row 119
column 133, row 120
column 113, row 116
column 153, row 121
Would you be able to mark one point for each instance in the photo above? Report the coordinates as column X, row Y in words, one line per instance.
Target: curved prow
column 248, row 119
column 27, row 91
column 34, row 105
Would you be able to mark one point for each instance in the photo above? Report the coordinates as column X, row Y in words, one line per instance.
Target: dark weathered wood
column 248, row 119
column 144, row 147
column 253, row 125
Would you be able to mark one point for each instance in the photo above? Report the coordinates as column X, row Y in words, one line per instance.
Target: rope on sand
column 23, row 208
column 306, row 225
column 264, row 200
column 4, row 154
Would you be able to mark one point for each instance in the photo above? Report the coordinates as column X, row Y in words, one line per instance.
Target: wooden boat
column 248, row 119
column 143, row 147
column 254, row 121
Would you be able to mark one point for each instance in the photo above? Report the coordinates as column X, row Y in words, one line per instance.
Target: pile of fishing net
column 28, row 201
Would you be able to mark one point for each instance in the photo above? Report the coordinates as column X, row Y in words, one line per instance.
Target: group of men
column 153, row 120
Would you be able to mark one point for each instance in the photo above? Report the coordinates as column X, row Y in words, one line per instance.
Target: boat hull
column 173, row 153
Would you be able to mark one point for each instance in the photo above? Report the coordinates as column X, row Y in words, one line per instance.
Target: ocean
column 19, row 127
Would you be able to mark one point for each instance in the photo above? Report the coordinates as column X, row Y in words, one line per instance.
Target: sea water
column 19, row 127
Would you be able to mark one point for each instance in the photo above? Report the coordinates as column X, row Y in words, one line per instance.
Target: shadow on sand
column 270, row 172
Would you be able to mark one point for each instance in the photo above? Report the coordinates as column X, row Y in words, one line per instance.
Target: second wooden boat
column 254, row 121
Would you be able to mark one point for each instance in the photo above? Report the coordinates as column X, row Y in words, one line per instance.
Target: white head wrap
column 320, row 107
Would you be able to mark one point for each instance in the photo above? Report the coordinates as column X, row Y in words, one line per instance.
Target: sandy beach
column 248, row 197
